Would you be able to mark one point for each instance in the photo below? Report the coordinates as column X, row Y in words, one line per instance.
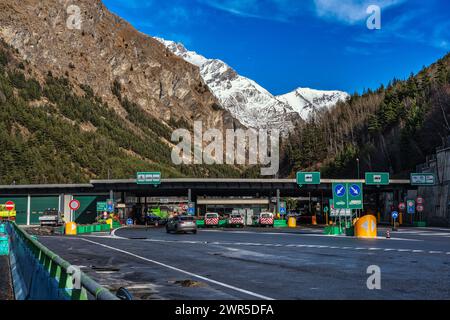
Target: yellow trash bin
column 71, row 229
column 110, row 222
column 366, row 227
column 292, row 222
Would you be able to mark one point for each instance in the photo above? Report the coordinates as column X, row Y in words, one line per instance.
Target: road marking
column 307, row 235
column 250, row 293
column 435, row 252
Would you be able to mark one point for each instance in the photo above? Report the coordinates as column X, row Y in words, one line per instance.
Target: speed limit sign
column 419, row 200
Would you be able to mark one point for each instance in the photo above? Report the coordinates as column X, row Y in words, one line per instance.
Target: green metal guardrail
column 59, row 270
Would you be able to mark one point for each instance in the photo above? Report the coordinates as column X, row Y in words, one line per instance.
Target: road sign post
column 308, row 178
column 377, row 178
column 394, row 217
column 423, row 179
column 74, row 205
column 101, row 207
column 191, row 208
column 348, row 195
column 9, row 206
column 411, row 208
column 282, row 209
column 151, row 178
column 355, row 195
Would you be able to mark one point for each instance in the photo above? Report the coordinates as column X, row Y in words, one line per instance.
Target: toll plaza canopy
column 201, row 187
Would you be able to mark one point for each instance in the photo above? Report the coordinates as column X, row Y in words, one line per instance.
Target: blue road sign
column 129, row 222
column 191, row 208
column 282, row 208
column 340, row 190
column 394, row 214
column 355, row 190
column 410, row 206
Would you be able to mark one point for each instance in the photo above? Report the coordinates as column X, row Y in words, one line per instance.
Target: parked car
column 180, row 224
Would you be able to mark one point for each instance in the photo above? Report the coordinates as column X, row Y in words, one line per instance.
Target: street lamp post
column 359, row 173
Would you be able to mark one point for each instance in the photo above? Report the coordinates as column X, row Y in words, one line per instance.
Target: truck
column 265, row 219
column 236, row 220
column 51, row 217
column 212, row 219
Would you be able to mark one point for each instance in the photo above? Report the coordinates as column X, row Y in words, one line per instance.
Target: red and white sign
column 420, row 200
column 420, row 208
column 402, row 206
column 10, row 206
column 74, row 205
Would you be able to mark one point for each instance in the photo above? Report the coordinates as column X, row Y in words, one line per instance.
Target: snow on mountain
column 250, row 103
column 306, row 101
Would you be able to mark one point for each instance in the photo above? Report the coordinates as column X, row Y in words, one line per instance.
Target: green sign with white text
column 377, row 178
column 148, row 178
column 423, row 179
column 308, row 178
column 348, row 195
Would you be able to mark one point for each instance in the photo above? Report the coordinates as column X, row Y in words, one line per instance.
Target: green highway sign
column 355, row 195
column 340, row 196
column 102, row 207
column 377, row 178
column 308, row 178
column 153, row 178
column 423, row 179
column 348, row 195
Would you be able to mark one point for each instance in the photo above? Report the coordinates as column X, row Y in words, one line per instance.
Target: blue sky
column 285, row 44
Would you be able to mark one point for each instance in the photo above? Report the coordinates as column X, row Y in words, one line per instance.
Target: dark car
column 180, row 224
column 154, row 220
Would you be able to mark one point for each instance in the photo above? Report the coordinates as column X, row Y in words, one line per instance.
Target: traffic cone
column 388, row 234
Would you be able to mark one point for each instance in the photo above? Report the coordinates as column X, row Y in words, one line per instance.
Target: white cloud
column 349, row 11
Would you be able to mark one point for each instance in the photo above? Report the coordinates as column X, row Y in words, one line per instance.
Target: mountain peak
column 248, row 101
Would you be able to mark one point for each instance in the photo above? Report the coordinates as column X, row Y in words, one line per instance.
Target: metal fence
column 40, row 274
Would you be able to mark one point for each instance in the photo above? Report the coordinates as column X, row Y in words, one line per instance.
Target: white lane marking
column 306, row 235
column 113, row 233
column 311, row 246
column 250, row 293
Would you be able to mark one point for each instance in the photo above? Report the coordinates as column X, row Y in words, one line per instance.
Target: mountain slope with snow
column 306, row 101
column 250, row 103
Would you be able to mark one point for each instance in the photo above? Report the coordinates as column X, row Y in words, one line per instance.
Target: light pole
column 359, row 173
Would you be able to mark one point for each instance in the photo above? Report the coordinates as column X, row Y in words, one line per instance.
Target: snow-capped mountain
column 306, row 101
column 250, row 103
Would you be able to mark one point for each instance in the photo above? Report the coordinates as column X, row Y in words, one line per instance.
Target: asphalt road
column 263, row 263
column 6, row 292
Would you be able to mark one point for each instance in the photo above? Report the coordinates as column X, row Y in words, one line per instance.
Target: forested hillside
column 391, row 129
column 52, row 131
